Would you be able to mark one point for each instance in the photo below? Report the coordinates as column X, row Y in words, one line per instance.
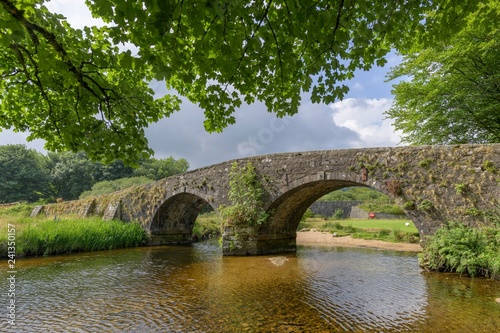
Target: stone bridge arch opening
column 174, row 219
column 288, row 209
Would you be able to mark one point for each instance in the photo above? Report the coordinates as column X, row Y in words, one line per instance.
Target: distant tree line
column 28, row 175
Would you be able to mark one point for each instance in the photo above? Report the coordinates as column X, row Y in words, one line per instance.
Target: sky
column 355, row 122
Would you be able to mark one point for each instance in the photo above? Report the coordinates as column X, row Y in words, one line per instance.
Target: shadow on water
column 195, row 289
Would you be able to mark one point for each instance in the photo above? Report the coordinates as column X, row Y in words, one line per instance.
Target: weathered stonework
column 113, row 211
column 328, row 208
column 37, row 210
column 244, row 241
column 433, row 184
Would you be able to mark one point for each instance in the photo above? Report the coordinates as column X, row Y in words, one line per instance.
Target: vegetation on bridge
column 246, row 198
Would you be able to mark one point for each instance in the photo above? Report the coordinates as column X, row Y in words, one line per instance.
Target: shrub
column 382, row 208
column 246, row 197
column 307, row 214
column 338, row 214
column 461, row 249
column 109, row 186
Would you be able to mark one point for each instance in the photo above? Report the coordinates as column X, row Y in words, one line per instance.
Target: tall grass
column 207, row 225
column 47, row 236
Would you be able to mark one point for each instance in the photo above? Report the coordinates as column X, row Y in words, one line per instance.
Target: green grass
column 42, row 236
column 367, row 224
column 206, row 224
column 386, row 230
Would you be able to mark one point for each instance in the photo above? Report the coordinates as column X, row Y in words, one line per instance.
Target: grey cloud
column 256, row 132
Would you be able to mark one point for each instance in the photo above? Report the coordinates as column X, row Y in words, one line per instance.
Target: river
column 195, row 289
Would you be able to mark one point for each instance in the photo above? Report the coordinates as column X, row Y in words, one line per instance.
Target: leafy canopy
column 454, row 94
column 78, row 90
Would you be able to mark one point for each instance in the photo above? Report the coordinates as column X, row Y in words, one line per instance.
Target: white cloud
column 9, row 137
column 256, row 132
column 76, row 12
column 365, row 116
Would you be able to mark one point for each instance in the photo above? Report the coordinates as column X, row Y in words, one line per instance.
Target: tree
column 71, row 174
column 74, row 173
column 161, row 168
column 94, row 96
column 112, row 171
column 454, row 92
column 24, row 174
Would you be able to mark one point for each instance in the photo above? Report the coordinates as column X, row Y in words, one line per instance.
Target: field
column 386, row 230
column 368, row 224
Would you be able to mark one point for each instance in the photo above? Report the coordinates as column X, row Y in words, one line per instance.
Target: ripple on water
column 182, row 289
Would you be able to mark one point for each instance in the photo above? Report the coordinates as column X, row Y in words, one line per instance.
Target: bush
column 338, row 214
column 307, row 214
column 109, row 186
column 207, row 225
column 382, row 208
column 246, row 197
column 465, row 250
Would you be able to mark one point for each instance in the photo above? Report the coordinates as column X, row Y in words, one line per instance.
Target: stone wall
column 358, row 213
column 328, row 208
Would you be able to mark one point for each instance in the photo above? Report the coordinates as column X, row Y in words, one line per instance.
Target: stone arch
column 287, row 210
column 174, row 219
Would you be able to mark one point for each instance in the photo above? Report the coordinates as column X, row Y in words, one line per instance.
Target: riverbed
column 195, row 289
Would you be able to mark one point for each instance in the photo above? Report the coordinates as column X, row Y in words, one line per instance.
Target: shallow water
column 195, row 289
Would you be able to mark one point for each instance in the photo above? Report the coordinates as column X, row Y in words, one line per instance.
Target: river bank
column 327, row 239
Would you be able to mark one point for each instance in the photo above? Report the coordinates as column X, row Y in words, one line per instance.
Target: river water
column 195, row 289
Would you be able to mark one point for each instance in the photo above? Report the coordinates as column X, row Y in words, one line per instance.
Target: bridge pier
column 245, row 240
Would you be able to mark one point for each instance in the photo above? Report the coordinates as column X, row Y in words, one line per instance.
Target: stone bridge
column 433, row 184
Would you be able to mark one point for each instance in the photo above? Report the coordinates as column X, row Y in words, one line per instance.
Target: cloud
column 76, row 12
column 255, row 132
column 9, row 137
column 365, row 116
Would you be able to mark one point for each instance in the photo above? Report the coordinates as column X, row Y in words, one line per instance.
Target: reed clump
column 43, row 236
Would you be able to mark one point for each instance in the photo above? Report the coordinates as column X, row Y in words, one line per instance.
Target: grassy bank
column 386, row 230
column 42, row 236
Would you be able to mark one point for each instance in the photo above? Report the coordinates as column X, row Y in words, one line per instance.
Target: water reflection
column 361, row 290
column 195, row 289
